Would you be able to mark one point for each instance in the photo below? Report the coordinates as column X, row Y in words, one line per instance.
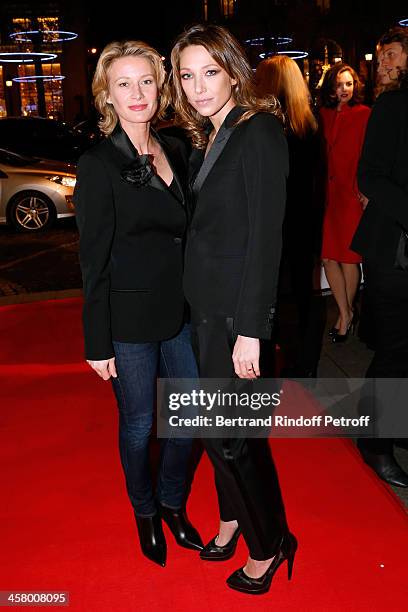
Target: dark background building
column 346, row 29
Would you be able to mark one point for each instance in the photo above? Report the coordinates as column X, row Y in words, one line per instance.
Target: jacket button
column 177, row 240
column 193, row 232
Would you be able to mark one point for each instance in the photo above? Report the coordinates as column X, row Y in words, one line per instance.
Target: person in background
column 131, row 216
column 239, row 168
column 343, row 121
column 392, row 50
column 281, row 76
column 382, row 237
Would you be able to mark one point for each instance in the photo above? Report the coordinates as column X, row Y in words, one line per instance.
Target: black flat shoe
column 386, row 468
column 257, row 586
column 186, row 535
column 213, row 552
column 152, row 540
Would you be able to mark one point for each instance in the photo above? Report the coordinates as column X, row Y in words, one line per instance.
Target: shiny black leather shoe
column 186, row 535
column 152, row 540
column 333, row 331
column 386, row 468
column 258, row 586
column 338, row 338
column 213, row 552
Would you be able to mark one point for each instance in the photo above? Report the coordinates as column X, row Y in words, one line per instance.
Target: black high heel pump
column 213, row 552
column 257, row 586
column 340, row 338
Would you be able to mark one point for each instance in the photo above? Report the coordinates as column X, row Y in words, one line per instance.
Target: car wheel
column 31, row 211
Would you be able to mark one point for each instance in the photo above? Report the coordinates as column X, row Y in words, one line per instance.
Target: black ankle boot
column 186, row 535
column 151, row 538
column 213, row 552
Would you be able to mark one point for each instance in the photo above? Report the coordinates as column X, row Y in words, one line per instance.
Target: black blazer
column 234, row 243
column 131, row 244
column 383, row 178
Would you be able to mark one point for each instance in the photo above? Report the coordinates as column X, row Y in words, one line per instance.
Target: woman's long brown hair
column 227, row 53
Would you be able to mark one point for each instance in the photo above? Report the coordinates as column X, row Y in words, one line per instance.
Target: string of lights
column 28, row 35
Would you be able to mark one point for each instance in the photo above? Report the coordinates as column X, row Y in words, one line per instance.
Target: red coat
column 343, row 132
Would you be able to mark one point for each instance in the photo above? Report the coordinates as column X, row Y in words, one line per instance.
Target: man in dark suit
column 383, row 179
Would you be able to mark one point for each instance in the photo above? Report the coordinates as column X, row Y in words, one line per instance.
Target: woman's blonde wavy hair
column 280, row 75
column 227, row 53
column 100, row 83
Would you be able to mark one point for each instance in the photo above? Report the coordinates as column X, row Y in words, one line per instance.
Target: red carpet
column 66, row 523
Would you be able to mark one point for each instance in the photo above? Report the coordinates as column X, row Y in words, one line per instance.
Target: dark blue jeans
column 137, row 367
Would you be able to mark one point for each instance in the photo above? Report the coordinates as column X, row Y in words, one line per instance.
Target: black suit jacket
column 131, row 246
column 383, row 178
column 234, row 243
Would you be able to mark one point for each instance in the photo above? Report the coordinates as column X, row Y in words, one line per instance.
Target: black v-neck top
column 175, row 190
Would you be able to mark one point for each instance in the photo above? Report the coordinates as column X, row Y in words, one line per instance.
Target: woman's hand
column 246, row 357
column 105, row 368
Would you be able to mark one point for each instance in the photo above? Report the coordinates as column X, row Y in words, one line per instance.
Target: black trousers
column 386, row 295
column 245, row 475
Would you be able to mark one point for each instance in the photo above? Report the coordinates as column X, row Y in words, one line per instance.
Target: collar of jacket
column 234, row 114
column 122, row 141
column 229, row 120
column 202, row 165
column 138, row 171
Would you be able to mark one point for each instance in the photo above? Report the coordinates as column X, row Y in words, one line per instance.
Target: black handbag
column 401, row 258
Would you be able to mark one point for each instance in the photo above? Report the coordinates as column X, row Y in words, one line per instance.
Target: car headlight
column 67, row 181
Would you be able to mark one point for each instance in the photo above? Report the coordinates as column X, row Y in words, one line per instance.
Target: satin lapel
column 122, row 141
column 217, row 148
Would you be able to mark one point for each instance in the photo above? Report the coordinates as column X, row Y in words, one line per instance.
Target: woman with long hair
column 281, row 76
column 344, row 122
column 131, row 217
column 239, row 167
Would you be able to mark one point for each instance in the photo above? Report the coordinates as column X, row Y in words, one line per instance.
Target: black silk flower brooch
column 139, row 172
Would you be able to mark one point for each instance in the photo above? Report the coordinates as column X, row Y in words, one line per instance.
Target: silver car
column 34, row 192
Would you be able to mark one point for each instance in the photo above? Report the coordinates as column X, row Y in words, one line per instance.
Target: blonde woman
column 281, row 76
column 131, row 217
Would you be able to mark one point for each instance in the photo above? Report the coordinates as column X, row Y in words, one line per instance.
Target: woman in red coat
column 343, row 122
